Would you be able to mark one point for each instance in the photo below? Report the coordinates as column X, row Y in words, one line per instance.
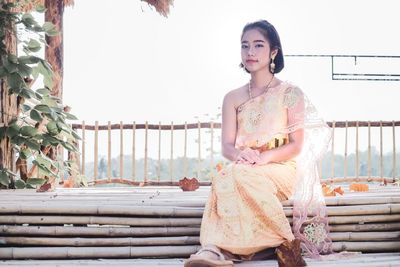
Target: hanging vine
column 40, row 122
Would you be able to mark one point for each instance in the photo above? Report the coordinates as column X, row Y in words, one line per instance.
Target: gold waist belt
column 274, row 143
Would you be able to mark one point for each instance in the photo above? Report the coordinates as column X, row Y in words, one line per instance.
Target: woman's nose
column 250, row 52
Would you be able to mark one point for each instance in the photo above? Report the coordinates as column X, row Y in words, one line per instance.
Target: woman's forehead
column 253, row 35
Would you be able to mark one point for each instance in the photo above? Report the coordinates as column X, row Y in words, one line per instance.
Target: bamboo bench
column 164, row 222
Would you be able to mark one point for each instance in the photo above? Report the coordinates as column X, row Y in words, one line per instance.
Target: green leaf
column 15, row 81
column 18, row 140
column 25, row 153
column 27, row 93
column 32, row 144
column 69, row 147
column 43, row 91
column 13, row 58
column 75, row 135
column 50, row 29
column 52, row 128
column 33, row 45
column 43, row 108
column 3, row 132
column 35, row 115
column 26, row 107
column 29, row 186
column 40, row 8
column 28, row 19
column 70, row 116
column 4, row 178
column 20, row 184
column 35, row 181
column 28, row 59
column 28, row 131
column 12, row 130
column 3, row 72
column 24, row 70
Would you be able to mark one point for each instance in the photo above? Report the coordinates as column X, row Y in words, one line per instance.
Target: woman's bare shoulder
column 236, row 96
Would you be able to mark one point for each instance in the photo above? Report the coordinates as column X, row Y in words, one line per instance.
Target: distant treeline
column 206, row 170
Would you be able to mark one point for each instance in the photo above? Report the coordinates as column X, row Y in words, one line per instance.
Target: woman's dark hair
column 269, row 32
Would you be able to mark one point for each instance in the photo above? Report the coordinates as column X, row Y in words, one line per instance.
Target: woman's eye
column 259, row 45
column 244, row 46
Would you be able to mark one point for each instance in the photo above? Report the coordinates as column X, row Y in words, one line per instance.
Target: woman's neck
column 260, row 78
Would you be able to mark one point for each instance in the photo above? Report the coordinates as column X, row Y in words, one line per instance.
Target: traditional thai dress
column 244, row 214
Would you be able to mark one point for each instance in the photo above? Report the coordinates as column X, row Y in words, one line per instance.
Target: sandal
column 196, row 260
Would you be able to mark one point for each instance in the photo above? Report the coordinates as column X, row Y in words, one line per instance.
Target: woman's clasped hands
column 251, row 157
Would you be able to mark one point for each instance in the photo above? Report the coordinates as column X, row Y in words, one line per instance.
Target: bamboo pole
column 61, row 220
column 345, row 150
column 367, row 246
column 159, row 153
column 364, row 236
column 199, row 151
column 83, row 168
column 96, row 149
column 394, row 151
column 96, row 252
column 134, row 151
column 121, row 150
column 369, row 149
column 212, row 149
column 185, row 161
column 109, row 151
column 171, row 162
column 16, row 230
column 333, row 151
column 357, row 152
column 99, row 242
column 365, row 227
column 145, row 151
column 381, row 150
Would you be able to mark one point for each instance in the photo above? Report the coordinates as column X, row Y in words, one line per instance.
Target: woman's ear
column 274, row 53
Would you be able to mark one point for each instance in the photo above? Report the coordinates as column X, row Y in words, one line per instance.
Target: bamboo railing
column 200, row 129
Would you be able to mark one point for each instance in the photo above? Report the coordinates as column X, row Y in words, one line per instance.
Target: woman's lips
column 250, row 61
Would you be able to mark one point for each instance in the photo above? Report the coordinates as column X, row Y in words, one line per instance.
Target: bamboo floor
column 159, row 226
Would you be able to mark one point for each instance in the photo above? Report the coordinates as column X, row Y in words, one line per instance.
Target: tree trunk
column 8, row 111
column 54, row 54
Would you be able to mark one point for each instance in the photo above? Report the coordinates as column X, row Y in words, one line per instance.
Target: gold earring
column 272, row 65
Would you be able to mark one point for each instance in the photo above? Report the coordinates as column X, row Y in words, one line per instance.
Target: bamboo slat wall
column 340, row 129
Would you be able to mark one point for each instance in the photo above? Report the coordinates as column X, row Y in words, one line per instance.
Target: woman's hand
column 248, row 156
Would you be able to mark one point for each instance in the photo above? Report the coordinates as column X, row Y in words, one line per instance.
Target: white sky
column 123, row 61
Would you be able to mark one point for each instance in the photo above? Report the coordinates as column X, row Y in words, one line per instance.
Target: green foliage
column 38, row 107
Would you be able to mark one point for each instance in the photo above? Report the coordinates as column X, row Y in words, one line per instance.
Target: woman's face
column 255, row 51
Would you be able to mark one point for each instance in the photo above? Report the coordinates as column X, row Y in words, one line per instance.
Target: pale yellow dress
column 244, row 214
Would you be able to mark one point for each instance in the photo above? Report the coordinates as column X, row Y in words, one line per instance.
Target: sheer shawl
column 310, row 220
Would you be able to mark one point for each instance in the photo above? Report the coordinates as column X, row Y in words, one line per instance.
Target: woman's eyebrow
column 255, row 41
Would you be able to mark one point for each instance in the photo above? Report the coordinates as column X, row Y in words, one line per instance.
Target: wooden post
column 83, row 148
column 171, row 162
column 159, row 153
column 133, row 151
column 212, row 149
column 185, row 163
column 199, row 152
column 109, row 166
column 369, row 149
column 145, row 151
column 96, row 150
column 121, row 151
column 357, row 153
column 333, row 151
column 381, row 150
column 394, row 151
column 345, row 150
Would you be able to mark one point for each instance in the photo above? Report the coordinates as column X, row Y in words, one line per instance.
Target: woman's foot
column 289, row 254
column 208, row 256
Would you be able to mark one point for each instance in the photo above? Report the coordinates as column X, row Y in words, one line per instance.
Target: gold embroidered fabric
column 244, row 214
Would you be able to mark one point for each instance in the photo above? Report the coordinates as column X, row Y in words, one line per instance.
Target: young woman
column 266, row 126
